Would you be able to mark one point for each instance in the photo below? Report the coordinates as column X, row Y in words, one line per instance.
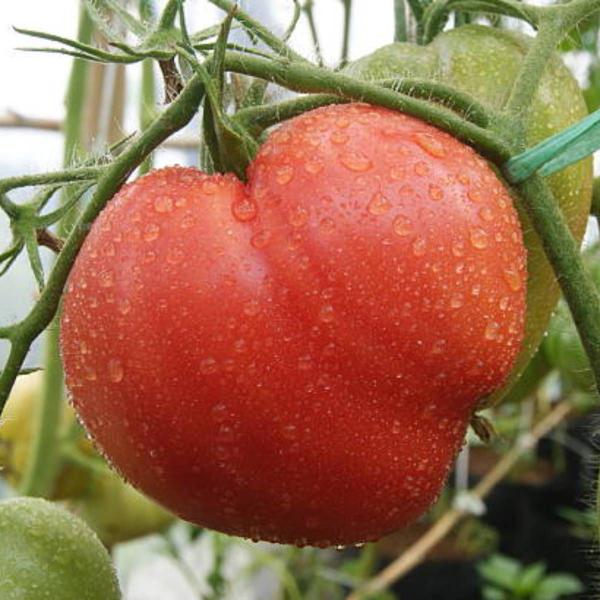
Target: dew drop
column 284, row 174
column 458, row 248
column 513, row 279
column 209, row 187
column 313, row 166
column 456, row 301
column 438, row 347
column 244, row 210
column 379, row 204
column 115, row 370
column 240, row 345
column 298, row 217
column 402, row 226
column 326, row 313
column 435, row 192
column 260, row 239
column 163, row 204
column 355, row 161
column 124, row 306
column 479, row 238
column 476, row 289
column 339, row 137
column 421, row 168
column 504, row 301
column 327, row 225
column 106, row 279
column 251, row 308
column 342, row 122
column 419, row 246
column 90, row 374
column 486, row 213
column 491, row 330
column 151, row 232
column 475, row 195
column 180, row 202
column 208, row 366
column 430, row 144
column 187, row 220
column 397, row 173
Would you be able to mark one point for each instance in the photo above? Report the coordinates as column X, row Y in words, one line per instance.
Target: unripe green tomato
column 114, row 510
column 562, row 346
column 484, row 62
column 46, row 553
column 117, row 512
column 16, row 430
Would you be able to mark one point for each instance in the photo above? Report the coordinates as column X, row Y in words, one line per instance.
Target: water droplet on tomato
column 243, row 210
column 402, row 226
column 355, row 161
column 430, row 144
column 379, row 204
column 124, row 306
column 397, row 173
column 90, row 374
column 513, row 279
column 260, row 239
column 151, row 232
column 251, row 308
column 458, row 248
column 504, row 301
column 457, row 300
column 478, row 238
column 476, row 289
column 327, row 225
column 326, row 313
column 491, row 331
column 209, row 187
column 240, row 345
column 419, row 246
column 338, row 137
column 486, row 213
column 208, row 366
column 421, row 168
column 187, row 220
column 219, row 412
column 115, row 370
column 436, row 192
column 106, row 279
column 298, row 217
column 163, row 204
column 313, row 166
column 284, row 174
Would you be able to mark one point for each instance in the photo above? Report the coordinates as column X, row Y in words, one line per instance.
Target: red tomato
column 297, row 360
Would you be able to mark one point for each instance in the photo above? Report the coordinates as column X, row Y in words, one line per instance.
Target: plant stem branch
column 400, row 25
column 310, row 17
column 564, row 256
column 22, row 334
column 303, row 77
column 417, row 552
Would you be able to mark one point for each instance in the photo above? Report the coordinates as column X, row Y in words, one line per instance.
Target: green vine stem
column 148, row 93
column 44, row 458
column 303, row 77
column 112, row 176
column 310, row 18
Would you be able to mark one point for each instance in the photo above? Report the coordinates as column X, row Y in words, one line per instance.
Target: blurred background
column 536, row 529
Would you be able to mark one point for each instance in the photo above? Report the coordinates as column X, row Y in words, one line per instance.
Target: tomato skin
column 484, row 62
column 297, row 360
column 48, row 553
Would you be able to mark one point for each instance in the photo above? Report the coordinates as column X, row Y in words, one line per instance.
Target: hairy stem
column 346, row 34
column 304, row 77
column 43, row 463
column 563, row 253
column 22, row 334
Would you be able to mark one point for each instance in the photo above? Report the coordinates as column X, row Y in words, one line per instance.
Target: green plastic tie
column 556, row 152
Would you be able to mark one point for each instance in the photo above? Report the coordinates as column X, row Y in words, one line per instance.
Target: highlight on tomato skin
column 297, row 359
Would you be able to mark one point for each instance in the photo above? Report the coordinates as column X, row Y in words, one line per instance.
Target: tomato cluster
column 296, row 359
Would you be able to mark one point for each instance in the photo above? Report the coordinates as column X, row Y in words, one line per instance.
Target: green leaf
column 500, row 571
column 492, row 593
column 33, row 252
column 556, row 586
column 556, row 152
column 530, row 578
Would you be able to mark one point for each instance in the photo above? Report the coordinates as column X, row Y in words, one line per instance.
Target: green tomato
column 46, row 553
column 562, row 345
column 484, row 62
column 117, row 512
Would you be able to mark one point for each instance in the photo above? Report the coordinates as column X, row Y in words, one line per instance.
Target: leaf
column 530, row 578
column 500, row 571
column 492, row 593
column 557, row 585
